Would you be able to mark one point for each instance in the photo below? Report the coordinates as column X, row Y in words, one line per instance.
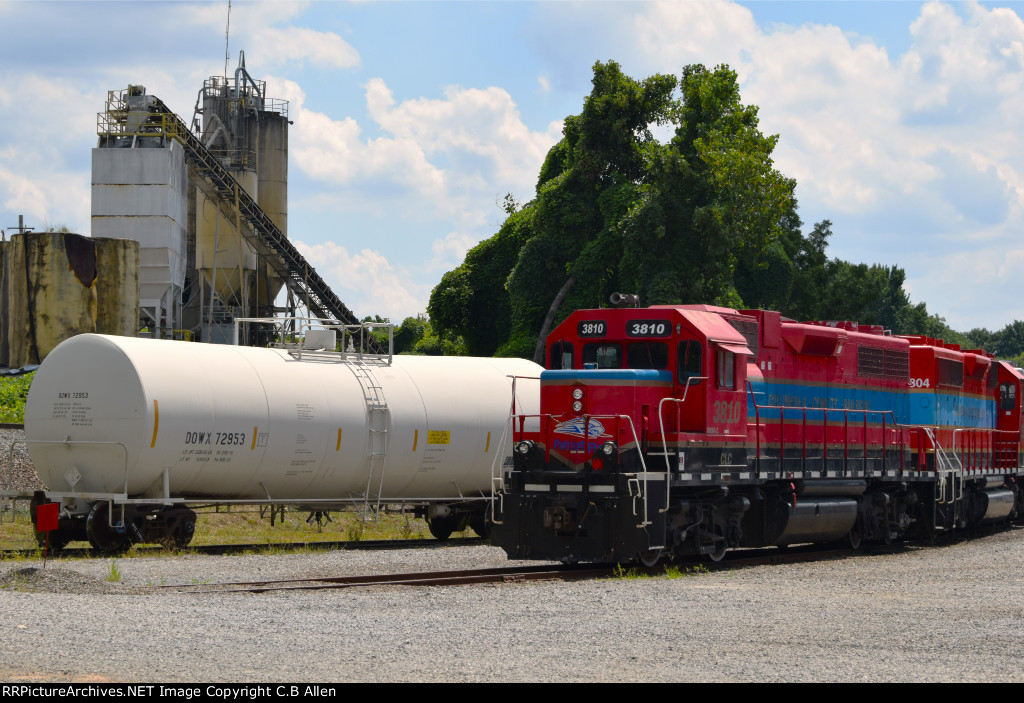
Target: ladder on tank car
column 377, row 420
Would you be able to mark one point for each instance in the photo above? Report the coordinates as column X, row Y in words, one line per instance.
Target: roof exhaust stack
column 627, row 300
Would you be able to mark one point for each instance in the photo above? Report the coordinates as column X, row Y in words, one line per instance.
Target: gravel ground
column 949, row 613
column 17, row 474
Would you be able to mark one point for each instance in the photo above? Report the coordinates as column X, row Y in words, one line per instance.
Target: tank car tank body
column 693, row 429
column 127, row 432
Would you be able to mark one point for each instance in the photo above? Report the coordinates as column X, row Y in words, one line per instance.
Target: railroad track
column 463, row 577
column 223, row 549
column 517, row 574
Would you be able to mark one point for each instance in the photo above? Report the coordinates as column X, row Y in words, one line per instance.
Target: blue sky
column 900, row 121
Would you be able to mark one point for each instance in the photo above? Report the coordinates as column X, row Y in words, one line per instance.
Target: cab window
column 1007, row 396
column 726, row 369
column 605, row 355
column 647, row 355
column 689, row 361
column 561, row 355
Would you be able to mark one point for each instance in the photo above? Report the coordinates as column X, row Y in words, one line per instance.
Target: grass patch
column 13, row 391
column 671, row 571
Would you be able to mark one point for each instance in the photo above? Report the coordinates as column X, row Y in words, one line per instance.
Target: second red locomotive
column 692, row 429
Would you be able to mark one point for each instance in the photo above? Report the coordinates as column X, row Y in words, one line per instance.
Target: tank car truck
column 694, row 429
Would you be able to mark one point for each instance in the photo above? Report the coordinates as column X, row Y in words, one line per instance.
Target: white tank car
column 135, row 419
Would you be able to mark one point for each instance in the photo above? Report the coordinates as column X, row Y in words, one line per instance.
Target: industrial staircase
column 217, row 183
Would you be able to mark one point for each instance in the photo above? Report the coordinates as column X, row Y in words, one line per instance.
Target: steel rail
column 427, row 578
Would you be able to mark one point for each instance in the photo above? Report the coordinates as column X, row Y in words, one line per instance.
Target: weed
column 13, row 391
column 622, row 572
column 199, row 582
column 674, row 572
column 671, row 572
column 354, row 533
column 113, row 573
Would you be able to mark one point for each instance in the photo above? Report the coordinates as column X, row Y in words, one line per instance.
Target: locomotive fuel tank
column 153, row 418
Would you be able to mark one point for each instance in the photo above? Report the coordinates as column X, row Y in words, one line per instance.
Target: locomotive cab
column 622, row 386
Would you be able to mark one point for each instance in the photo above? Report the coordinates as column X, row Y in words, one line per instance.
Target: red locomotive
column 692, row 429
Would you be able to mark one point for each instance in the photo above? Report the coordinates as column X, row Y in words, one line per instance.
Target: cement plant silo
column 139, row 188
column 248, row 133
column 57, row 285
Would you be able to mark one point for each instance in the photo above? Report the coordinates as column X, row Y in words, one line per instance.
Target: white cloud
column 367, row 282
column 435, row 158
column 450, row 251
column 323, row 49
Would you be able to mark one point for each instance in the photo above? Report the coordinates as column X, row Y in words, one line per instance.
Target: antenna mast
column 227, row 33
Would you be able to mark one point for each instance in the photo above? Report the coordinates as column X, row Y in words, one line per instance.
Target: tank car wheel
column 650, row 558
column 442, row 527
column 101, row 535
column 184, row 528
column 480, row 524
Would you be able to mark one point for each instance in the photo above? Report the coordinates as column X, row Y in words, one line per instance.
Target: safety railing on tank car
column 986, row 448
column 299, row 340
column 893, row 427
column 497, row 480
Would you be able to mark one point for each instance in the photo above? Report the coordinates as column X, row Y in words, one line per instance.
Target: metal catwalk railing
column 217, row 183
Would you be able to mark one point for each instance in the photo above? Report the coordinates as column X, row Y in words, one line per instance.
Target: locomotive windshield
column 647, row 355
column 605, row 354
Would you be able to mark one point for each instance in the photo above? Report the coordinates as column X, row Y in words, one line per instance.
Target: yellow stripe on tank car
column 156, row 422
column 254, row 431
column 415, row 439
column 488, row 447
column 337, row 447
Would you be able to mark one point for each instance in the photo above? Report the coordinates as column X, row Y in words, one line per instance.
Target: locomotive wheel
column 101, row 535
column 650, row 558
column 853, row 538
column 443, row 527
column 720, row 546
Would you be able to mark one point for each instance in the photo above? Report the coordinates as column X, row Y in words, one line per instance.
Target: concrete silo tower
column 248, row 133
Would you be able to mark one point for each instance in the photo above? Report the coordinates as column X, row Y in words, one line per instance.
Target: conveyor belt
column 217, row 183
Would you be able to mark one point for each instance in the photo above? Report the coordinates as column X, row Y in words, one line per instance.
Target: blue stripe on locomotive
column 876, row 402
column 596, row 376
column 951, row 409
column 931, row 408
column 920, row 408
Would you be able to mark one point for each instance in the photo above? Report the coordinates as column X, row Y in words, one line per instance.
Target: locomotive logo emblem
column 574, row 427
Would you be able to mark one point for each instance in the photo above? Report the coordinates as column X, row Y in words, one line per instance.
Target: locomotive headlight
column 524, row 447
column 577, row 406
column 577, row 393
column 608, row 448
